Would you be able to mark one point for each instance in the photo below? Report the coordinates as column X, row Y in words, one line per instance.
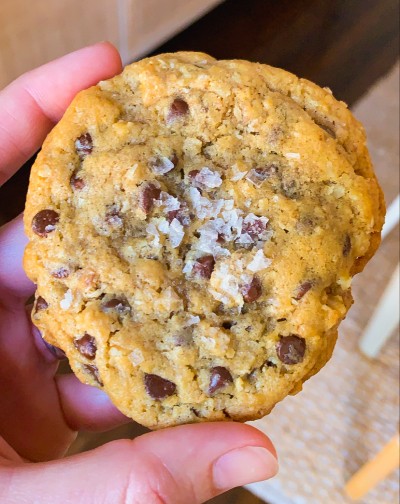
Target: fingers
column 86, row 407
column 13, row 281
column 31, row 420
column 188, row 464
column 31, row 105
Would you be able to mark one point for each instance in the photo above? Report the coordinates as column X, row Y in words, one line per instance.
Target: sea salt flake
column 208, row 178
column 233, row 222
column 136, row 357
column 256, row 227
column 257, row 178
column 187, row 269
column 192, row 320
column 131, row 172
column 237, row 174
column 170, row 299
column 151, row 229
column 170, row 203
column 66, row 303
column 225, row 287
column 245, row 239
column 210, row 232
column 259, row 262
column 204, row 207
column 292, row 155
column 176, row 233
column 161, row 165
column 163, row 226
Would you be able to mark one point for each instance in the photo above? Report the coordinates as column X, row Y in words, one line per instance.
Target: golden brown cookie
column 194, row 227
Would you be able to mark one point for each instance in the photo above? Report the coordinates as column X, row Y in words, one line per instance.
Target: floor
column 344, row 45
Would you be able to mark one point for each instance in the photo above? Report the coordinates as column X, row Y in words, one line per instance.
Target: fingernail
column 57, row 352
column 244, row 465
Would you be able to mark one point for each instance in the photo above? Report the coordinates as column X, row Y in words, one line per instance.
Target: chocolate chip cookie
column 194, row 227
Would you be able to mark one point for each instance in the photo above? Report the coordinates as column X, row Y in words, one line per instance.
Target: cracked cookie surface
column 194, row 226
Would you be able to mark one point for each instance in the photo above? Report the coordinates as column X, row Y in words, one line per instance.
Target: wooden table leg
column 374, row 471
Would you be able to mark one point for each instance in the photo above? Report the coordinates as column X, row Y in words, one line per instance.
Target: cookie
column 194, row 228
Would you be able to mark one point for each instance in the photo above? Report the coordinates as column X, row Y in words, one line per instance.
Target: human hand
column 40, row 412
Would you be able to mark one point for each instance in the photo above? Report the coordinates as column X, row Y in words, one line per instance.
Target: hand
column 40, row 412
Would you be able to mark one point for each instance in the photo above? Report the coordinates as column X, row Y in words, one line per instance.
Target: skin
column 40, row 412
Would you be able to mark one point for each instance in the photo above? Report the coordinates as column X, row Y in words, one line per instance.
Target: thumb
column 191, row 463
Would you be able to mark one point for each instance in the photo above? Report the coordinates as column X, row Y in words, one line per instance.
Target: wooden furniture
column 34, row 32
column 386, row 315
column 375, row 470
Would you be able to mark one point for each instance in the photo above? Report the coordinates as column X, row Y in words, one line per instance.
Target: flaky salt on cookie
column 194, row 227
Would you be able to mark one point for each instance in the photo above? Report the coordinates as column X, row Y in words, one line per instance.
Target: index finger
column 32, row 104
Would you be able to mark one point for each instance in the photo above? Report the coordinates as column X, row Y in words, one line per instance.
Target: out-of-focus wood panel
column 150, row 22
column 33, row 32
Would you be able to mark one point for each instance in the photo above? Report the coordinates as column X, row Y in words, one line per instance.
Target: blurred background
column 347, row 414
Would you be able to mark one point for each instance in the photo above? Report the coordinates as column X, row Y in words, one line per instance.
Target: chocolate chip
column 86, row 346
column 227, row 415
column 255, row 228
column 157, row 387
column 77, row 182
column 84, row 145
column 302, row 289
column 41, row 304
column 148, row 194
column 173, row 214
column 193, row 174
column 174, row 159
column 93, row 370
column 178, row 109
column 252, row 291
column 291, row 349
column 45, row 222
column 182, row 214
column 57, row 352
column 195, row 412
column 346, row 246
column 228, row 324
column 60, row 273
column 203, row 267
column 269, row 363
column 219, row 378
column 116, row 304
